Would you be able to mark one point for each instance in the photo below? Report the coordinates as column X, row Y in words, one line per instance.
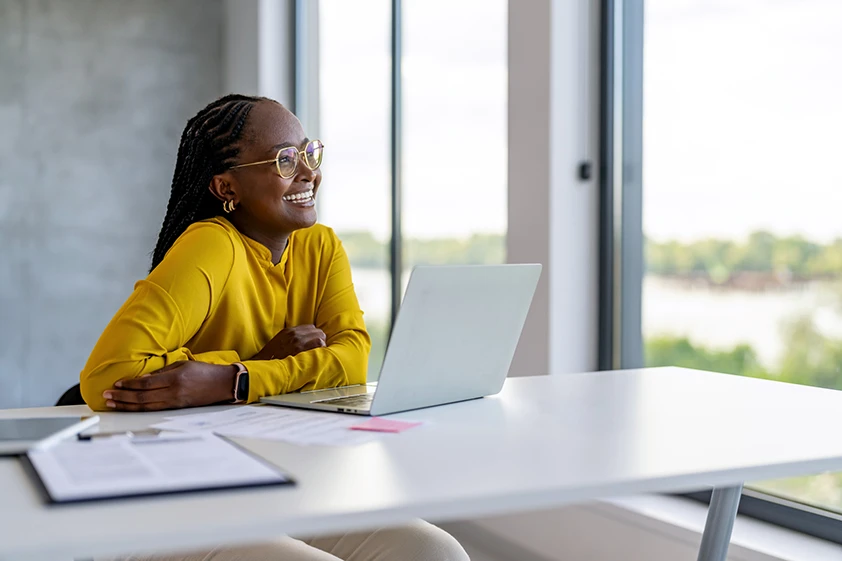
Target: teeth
column 305, row 196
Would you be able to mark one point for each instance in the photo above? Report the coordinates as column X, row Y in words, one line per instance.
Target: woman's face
column 264, row 199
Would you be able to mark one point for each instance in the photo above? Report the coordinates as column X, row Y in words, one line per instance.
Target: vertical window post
column 396, row 240
column 621, row 189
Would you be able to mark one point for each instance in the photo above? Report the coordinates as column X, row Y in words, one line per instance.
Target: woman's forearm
column 343, row 362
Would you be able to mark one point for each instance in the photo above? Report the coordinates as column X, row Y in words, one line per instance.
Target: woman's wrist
column 226, row 376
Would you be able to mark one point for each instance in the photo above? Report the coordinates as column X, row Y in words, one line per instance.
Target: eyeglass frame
column 300, row 154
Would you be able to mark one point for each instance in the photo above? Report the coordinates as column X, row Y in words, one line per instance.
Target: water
column 723, row 318
column 711, row 317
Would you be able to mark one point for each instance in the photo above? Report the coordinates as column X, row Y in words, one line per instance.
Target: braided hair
column 209, row 146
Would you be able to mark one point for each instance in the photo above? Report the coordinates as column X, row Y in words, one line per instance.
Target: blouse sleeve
column 163, row 313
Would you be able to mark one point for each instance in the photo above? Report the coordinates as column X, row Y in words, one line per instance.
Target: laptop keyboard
column 360, row 401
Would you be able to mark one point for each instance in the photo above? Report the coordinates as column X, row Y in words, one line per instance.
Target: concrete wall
column 259, row 49
column 93, row 97
column 553, row 217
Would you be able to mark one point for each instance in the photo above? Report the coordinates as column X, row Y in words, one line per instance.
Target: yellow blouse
column 217, row 297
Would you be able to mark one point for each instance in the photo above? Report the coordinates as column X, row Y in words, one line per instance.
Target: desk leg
column 720, row 521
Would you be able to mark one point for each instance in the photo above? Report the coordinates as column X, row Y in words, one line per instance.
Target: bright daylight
column 421, row 280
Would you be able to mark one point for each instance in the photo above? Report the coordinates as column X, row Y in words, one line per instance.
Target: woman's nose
column 305, row 173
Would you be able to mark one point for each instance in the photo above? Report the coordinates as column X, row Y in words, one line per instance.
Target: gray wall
column 93, row 97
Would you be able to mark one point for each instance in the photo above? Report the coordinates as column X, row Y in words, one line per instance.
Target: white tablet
column 19, row 435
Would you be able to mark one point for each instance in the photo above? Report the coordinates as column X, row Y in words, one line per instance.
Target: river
column 713, row 317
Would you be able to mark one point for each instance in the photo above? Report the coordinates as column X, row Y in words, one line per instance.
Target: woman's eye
column 284, row 160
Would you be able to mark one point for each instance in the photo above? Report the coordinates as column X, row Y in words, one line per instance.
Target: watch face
column 242, row 387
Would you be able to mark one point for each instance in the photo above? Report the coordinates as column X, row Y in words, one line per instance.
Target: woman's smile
column 302, row 198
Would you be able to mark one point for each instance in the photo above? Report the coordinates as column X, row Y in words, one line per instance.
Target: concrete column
column 259, row 49
column 553, row 215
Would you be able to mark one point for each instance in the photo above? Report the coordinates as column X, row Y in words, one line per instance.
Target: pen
column 129, row 433
column 66, row 433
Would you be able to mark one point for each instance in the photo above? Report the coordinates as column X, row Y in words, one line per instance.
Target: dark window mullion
column 605, row 358
column 396, row 241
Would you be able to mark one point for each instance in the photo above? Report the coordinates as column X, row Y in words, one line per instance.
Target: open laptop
column 453, row 340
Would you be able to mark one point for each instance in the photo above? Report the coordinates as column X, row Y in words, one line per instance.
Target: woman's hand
column 178, row 385
column 291, row 341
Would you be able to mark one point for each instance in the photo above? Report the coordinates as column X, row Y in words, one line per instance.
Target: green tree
column 757, row 254
column 811, row 358
column 679, row 351
column 762, row 252
column 364, row 250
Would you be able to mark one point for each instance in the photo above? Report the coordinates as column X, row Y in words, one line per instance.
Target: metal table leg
column 720, row 522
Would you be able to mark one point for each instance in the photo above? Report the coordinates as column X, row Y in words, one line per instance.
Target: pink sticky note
column 379, row 424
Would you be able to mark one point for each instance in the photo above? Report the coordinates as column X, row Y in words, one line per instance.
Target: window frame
column 306, row 88
column 396, row 163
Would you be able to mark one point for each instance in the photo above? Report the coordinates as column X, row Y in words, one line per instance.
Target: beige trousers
column 418, row 541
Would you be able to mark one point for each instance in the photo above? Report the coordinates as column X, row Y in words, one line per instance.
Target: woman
column 246, row 297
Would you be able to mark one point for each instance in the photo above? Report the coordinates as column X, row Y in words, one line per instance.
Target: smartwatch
column 241, row 384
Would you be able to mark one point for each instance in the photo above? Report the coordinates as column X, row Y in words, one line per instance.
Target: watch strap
column 241, row 383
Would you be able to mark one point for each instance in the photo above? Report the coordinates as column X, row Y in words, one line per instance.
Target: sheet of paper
column 274, row 423
column 379, row 424
column 122, row 466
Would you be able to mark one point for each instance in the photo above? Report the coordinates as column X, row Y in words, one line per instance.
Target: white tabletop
column 544, row 441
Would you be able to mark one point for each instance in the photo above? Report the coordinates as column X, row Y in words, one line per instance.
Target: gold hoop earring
column 228, row 206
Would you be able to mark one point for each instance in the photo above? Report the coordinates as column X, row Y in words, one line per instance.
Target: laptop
column 453, row 340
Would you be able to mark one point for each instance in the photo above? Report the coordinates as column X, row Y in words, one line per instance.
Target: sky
column 454, row 116
column 742, row 117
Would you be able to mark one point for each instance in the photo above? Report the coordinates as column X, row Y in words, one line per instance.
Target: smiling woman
column 256, row 302
column 247, row 297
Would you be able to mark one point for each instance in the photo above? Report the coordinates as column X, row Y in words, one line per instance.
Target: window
column 454, row 129
column 453, row 134
column 741, row 197
column 355, row 78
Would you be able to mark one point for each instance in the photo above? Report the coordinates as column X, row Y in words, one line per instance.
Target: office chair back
column 73, row 396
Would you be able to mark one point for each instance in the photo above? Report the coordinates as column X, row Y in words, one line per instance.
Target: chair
column 73, row 396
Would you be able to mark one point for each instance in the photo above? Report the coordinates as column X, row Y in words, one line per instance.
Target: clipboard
column 124, row 466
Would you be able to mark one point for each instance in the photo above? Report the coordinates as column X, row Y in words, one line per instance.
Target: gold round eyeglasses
column 288, row 157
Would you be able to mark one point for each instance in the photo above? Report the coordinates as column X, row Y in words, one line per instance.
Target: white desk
column 543, row 442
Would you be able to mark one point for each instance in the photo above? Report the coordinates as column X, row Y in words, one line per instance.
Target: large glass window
column 454, row 132
column 355, row 84
column 741, row 199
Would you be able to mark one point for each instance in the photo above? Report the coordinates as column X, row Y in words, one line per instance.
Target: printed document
column 273, row 423
column 122, row 466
